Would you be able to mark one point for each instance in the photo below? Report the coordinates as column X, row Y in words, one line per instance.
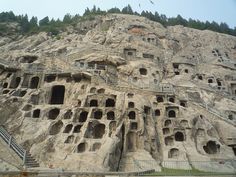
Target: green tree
column 67, row 18
column 127, row 10
column 7, row 17
column 24, row 23
column 87, row 11
column 44, row 21
column 224, row 28
column 33, row 23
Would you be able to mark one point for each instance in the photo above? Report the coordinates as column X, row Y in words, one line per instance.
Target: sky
column 211, row 10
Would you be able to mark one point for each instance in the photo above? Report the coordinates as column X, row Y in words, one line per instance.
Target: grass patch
column 180, row 172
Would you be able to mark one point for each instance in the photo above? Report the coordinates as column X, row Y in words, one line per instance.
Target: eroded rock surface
column 122, row 92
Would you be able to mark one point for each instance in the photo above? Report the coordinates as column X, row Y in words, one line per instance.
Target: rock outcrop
column 122, row 93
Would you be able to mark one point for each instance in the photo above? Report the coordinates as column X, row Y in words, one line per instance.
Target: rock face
column 122, row 93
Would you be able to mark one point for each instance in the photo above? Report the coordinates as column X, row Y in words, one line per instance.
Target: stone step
column 32, row 165
column 30, row 158
column 30, row 161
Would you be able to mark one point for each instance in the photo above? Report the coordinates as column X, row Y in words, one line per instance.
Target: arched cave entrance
column 171, row 113
column 132, row 115
column 173, row 153
column 36, row 113
column 211, row 147
column 81, row 147
column 34, row 82
column 179, row 136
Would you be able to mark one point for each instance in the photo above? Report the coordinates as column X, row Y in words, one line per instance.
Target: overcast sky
column 217, row 10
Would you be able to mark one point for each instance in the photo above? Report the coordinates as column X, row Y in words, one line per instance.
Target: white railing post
column 24, row 157
column 9, row 142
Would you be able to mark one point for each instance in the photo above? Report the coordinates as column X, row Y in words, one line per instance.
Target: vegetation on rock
column 26, row 26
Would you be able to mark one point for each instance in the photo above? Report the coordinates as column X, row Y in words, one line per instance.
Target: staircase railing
column 213, row 111
column 8, row 63
column 12, row 144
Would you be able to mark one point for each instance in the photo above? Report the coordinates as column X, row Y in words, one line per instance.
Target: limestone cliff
column 121, row 90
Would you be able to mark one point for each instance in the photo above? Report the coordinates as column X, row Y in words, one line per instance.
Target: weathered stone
column 122, row 93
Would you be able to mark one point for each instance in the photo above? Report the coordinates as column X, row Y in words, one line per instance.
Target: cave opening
column 179, row 136
column 98, row 114
column 50, row 78
column 167, row 123
column 131, row 141
column 77, row 128
column 81, row 147
column 169, row 141
column 68, row 128
column 157, row 112
column 96, row 146
column 93, row 103
column 183, row 103
column 69, row 139
column 173, row 153
column 68, row 114
column 219, row 83
column 234, row 149
column 210, row 81
column 110, row 115
column 53, row 113
column 110, row 102
column 93, row 90
column 134, row 126
column 83, row 116
column 160, row 99
column 56, row 128
column 57, row 94
column 147, row 110
column 99, row 131
column 131, row 104
column 143, row 71
column 166, row 131
column 5, row 91
column 101, row 90
column 34, row 82
column 22, row 93
column 5, row 85
column 211, row 147
column 36, row 113
column 15, row 82
column 171, row 113
column 172, row 100
column 132, row 115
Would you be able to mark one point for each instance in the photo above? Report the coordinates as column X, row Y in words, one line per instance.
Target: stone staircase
column 8, row 65
column 213, row 112
column 28, row 160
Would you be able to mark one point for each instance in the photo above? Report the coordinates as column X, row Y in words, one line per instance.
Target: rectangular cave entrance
column 131, row 141
column 95, row 130
column 15, row 82
column 57, row 94
column 234, row 149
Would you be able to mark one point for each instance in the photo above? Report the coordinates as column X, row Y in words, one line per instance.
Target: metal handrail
column 12, row 144
column 214, row 112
